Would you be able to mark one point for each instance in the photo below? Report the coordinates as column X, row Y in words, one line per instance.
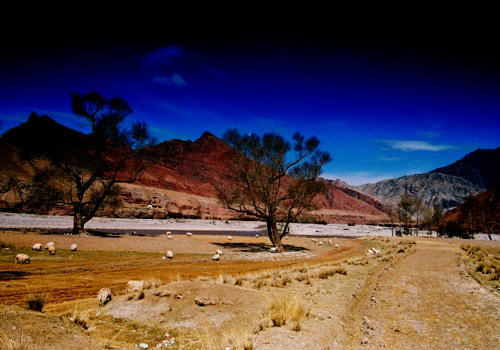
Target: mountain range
column 447, row 186
column 180, row 182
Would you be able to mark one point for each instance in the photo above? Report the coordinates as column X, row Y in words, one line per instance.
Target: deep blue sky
column 386, row 95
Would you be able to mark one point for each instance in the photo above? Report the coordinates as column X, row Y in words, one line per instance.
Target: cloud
column 174, row 81
column 414, row 145
column 216, row 72
column 163, row 57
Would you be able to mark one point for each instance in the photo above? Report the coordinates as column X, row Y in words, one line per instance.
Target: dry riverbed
column 415, row 294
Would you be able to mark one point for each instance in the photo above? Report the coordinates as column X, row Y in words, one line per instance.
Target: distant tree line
column 474, row 216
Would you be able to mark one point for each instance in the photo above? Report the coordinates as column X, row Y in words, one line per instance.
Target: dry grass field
column 417, row 293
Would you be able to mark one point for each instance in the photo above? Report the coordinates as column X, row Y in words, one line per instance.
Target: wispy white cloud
column 174, row 81
column 414, row 145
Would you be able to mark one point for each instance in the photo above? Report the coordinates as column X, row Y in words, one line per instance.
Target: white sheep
column 170, row 237
column 216, row 257
column 48, row 245
column 74, row 247
column 37, row 246
column 273, row 250
column 135, row 286
column 52, row 250
column 22, row 258
column 170, row 255
column 230, row 238
column 256, row 236
column 218, row 252
column 189, row 233
column 104, row 296
column 336, row 246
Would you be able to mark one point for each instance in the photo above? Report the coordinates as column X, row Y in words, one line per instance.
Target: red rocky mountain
column 180, row 183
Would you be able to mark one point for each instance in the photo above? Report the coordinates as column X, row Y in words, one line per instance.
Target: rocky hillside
column 481, row 167
column 182, row 181
column 434, row 188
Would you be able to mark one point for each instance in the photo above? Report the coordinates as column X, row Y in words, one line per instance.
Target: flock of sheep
column 24, row 258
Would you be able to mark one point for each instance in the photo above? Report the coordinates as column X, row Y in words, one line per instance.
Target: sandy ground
column 16, row 221
column 437, row 305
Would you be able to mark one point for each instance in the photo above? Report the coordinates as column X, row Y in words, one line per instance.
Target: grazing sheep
column 74, row 247
column 273, row 250
column 376, row 251
column 216, row 257
column 336, row 246
column 230, row 238
column 256, row 236
column 169, row 233
column 22, row 258
column 135, row 286
column 104, row 296
column 218, row 252
column 170, row 237
column 369, row 252
column 37, row 246
column 320, row 243
column 170, row 255
column 49, row 244
column 189, row 233
column 286, row 237
column 52, row 250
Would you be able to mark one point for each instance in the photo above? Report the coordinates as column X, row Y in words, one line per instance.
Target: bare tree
column 89, row 167
column 393, row 216
column 405, row 212
column 418, row 210
column 263, row 182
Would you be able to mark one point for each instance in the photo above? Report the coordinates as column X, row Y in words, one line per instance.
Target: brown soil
column 410, row 296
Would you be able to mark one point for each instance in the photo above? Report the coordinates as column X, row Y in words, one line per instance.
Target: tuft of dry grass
column 107, row 335
column 79, row 317
column 281, row 309
column 238, row 336
column 18, row 342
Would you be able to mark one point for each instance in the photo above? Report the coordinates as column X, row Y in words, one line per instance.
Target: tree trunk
column 274, row 236
column 78, row 223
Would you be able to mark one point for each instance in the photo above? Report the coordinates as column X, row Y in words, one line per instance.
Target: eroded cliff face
column 434, row 189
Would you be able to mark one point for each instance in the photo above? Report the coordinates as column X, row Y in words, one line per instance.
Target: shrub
column 36, row 300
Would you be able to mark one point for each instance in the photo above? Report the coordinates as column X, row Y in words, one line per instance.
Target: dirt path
column 428, row 301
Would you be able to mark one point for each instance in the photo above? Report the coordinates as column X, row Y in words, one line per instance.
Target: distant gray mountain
column 481, row 167
column 434, row 188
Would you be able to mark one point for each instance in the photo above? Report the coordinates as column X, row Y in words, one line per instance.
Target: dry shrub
column 260, row 282
column 238, row 281
column 36, row 300
column 283, row 308
column 302, row 277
